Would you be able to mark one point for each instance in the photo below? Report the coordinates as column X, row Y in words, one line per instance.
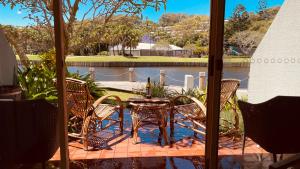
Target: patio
column 186, row 150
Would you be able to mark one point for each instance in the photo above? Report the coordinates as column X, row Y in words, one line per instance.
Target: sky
column 202, row 7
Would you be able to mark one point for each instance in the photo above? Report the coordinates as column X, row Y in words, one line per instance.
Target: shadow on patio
column 186, row 152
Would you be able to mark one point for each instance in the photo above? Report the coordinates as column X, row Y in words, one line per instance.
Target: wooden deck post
column 131, row 74
column 92, row 73
column 215, row 67
column 202, row 81
column 188, row 82
column 162, row 77
column 60, row 73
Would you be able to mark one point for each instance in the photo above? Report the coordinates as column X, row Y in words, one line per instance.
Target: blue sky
column 16, row 16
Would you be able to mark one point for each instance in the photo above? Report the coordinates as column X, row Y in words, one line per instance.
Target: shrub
column 37, row 80
column 103, row 53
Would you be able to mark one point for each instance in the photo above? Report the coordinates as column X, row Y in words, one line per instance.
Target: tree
column 262, row 6
column 14, row 37
column 171, row 19
column 41, row 12
column 246, row 40
column 238, row 22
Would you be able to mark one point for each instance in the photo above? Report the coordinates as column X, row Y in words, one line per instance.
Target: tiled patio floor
column 120, row 148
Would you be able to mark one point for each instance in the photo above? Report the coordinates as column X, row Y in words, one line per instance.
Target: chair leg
column 171, row 126
column 244, row 144
column 281, row 157
column 43, row 165
column 274, row 158
column 160, row 132
column 165, row 135
column 85, row 131
column 135, row 129
column 195, row 133
column 131, row 132
column 121, row 120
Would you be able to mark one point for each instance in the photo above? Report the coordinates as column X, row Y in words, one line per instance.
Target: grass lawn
column 135, row 59
column 122, row 95
column 229, row 59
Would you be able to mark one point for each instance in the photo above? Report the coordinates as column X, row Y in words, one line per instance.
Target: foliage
column 227, row 116
column 171, row 19
column 160, row 91
column 246, row 40
column 13, row 35
column 245, row 30
column 238, row 22
column 103, row 53
column 262, row 6
column 36, row 80
column 95, row 34
column 42, row 12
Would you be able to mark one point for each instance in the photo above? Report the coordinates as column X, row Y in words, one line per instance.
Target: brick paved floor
column 119, row 148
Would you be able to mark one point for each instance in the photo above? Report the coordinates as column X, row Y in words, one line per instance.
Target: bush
column 103, row 53
column 37, row 80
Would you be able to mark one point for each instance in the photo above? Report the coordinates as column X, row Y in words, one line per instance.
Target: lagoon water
column 174, row 75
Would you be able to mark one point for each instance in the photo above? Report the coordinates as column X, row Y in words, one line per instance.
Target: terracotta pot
column 10, row 92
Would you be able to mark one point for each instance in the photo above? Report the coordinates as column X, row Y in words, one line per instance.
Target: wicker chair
column 192, row 114
column 29, row 132
column 91, row 113
column 273, row 124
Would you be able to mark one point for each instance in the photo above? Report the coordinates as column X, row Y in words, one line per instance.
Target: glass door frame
column 215, row 67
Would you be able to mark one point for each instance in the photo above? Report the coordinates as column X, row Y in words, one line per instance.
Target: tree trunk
column 113, row 47
column 130, row 50
column 123, row 50
column 118, row 49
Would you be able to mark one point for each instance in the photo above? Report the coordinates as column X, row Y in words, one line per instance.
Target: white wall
column 275, row 66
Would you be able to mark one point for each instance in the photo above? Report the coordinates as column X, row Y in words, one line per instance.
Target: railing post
column 92, row 73
column 131, row 74
column 162, row 77
column 188, row 82
column 202, row 78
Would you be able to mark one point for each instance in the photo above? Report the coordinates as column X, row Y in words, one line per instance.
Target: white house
column 150, row 49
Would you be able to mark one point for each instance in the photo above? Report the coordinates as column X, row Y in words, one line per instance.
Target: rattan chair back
column 79, row 99
column 228, row 90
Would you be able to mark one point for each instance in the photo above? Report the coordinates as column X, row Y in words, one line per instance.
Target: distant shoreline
column 146, row 61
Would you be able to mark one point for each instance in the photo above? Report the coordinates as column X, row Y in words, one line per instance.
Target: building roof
column 146, row 46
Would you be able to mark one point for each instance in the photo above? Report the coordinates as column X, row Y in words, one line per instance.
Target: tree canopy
column 41, row 12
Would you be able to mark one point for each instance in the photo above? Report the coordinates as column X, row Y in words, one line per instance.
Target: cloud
column 19, row 12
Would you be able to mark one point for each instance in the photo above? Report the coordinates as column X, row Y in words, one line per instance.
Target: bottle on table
column 148, row 89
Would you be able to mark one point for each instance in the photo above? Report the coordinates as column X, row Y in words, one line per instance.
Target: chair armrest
column 75, row 80
column 101, row 99
column 198, row 102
